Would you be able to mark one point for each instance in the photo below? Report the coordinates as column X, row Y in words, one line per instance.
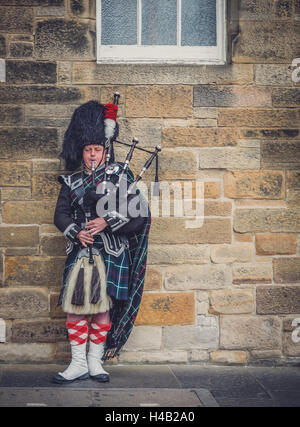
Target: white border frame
column 138, row 54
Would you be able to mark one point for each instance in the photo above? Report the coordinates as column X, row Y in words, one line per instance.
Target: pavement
column 170, row 385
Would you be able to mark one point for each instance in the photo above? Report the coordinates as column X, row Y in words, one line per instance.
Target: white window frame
column 141, row 54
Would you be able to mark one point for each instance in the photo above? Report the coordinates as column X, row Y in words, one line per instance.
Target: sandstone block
column 231, row 301
column 16, row 174
column 293, row 198
column 206, row 276
column 205, row 113
column 292, row 188
column 53, row 245
column 31, row 2
column 212, row 190
column 286, row 97
column 260, row 117
column 23, row 303
column 199, row 356
column 291, row 323
column 277, row 299
column 280, row 154
column 83, row 8
column 153, row 278
column 148, row 131
column 1, row 268
column 265, row 10
column 250, row 332
column 144, row 338
column 189, row 190
column 190, row 337
column 21, row 251
column 50, row 110
column 2, row 46
column 50, row 11
column 38, row 94
column 199, row 137
column 230, row 158
column 166, row 309
column 28, row 212
column 252, row 10
column 214, row 208
column 31, row 270
column 159, row 101
column 49, row 229
column 21, row 49
column 213, row 230
column 30, row 353
column 30, row 72
column 230, row 357
column 259, row 272
column 91, row 73
column 229, row 96
column 173, row 164
column 269, row 133
column 26, row 143
column 202, row 302
column 267, row 42
column 246, row 237
column 266, row 220
column 273, row 74
column 231, row 253
column 41, row 330
column 15, row 193
column 265, row 354
column 289, row 347
column 16, row 19
column 55, row 310
column 139, row 357
column 293, row 179
column 272, row 244
column 66, row 39
column 254, row 184
column 297, row 8
column 19, row 236
column 45, row 186
column 286, row 270
column 178, row 254
column 46, row 165
column 10, row 115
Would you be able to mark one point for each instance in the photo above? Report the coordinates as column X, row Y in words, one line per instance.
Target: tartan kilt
column 117, row 271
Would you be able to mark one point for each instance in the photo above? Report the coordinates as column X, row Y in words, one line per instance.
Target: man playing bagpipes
column 107, row 245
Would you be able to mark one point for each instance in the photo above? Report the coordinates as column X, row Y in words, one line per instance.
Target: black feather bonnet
column 86, row 127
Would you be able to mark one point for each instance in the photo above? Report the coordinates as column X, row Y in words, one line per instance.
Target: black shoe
column 59, row 379
column 101, row 378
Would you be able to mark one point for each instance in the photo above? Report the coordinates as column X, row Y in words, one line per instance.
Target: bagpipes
column 92, row 197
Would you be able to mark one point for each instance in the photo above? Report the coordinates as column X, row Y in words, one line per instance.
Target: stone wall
column 225, row 292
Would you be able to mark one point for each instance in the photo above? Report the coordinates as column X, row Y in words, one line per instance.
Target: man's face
column 93, row 153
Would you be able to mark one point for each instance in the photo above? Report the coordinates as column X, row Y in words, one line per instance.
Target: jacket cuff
column 116, row 221
column 71, row 232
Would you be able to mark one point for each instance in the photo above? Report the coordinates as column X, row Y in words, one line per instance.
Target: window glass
column 119, row 22
column 198, row 23
column 159, row 22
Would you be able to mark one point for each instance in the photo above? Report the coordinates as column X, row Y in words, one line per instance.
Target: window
column 161, row 31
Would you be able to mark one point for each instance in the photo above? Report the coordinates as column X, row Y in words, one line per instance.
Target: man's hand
column 96, row 225
column 85, row 238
